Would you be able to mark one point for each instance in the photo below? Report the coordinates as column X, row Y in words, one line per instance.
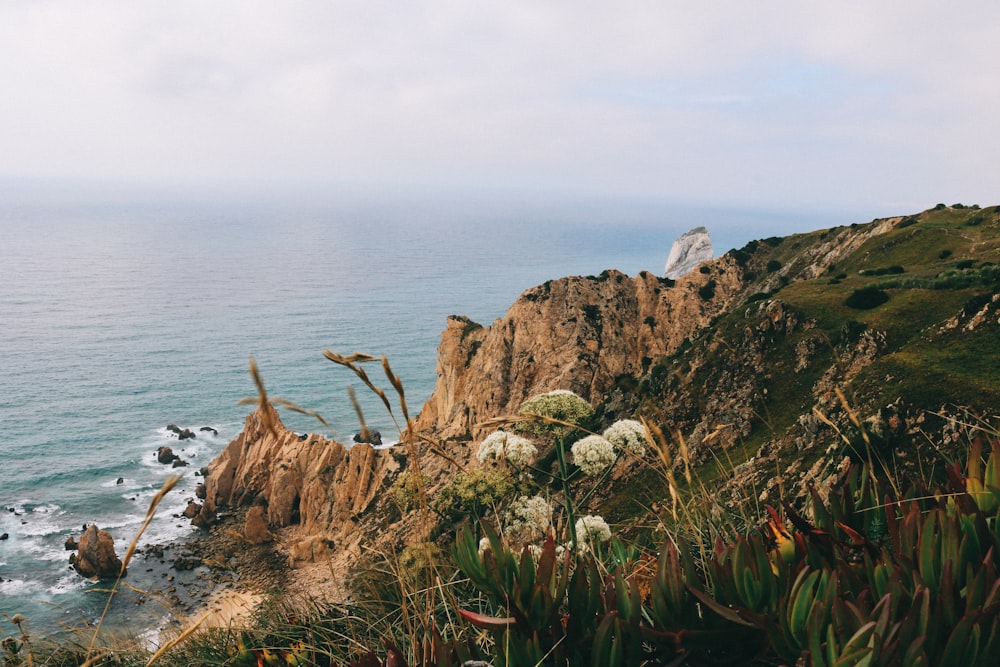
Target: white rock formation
column 688, row 251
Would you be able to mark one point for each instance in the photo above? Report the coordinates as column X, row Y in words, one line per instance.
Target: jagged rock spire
column 688, row 251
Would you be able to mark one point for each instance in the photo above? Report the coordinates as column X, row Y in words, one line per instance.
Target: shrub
column 944, row 254
column 405, row 492
column 476, row 493
column 976, row 303
column 773, row 266
column 704, row 268
column 559, row 404
column 707, row 291
column 866, row 298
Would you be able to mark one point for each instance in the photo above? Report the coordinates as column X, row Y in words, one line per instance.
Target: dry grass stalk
column 187, row 632
column 169, row 484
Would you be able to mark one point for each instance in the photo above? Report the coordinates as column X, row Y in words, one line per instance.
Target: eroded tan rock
column 255, row 528
column 576, row 333
column 95, row 557
column 313, row 482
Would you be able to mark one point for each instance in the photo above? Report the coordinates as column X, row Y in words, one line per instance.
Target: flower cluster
column 528, row 516
column 507, row 446
column 593, row 454
column 628, row 434
column 592, row 529
column 559, row 404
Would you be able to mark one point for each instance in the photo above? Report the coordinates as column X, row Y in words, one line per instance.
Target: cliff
column 308, row 481
column 576, row 333
column 741, row 360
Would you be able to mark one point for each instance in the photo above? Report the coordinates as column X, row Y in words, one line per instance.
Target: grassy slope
column 924, row 367
column 927, row 368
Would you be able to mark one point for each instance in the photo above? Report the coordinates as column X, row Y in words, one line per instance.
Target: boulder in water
column 372, row 437
column 689, row 250
column 166, row 456
column 96, row 557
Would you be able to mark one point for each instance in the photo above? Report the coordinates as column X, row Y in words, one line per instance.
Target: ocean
column 118, row 318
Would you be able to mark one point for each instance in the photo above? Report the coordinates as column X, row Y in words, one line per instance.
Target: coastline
column 230, row 578
column 216, row 574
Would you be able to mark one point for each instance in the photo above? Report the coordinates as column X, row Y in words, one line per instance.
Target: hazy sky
column 891, row 106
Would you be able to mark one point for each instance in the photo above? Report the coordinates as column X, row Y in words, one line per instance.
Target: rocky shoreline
column 189, row 575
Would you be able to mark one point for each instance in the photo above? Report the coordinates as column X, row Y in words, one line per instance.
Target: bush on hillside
column 866, row 298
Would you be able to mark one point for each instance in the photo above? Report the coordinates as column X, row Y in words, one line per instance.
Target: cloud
column 770, row 102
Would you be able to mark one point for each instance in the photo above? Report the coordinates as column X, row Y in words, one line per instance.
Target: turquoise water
column 118, row 319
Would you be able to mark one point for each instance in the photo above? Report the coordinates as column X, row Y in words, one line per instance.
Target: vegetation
column 655, row 541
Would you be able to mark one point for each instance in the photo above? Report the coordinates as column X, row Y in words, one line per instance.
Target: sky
column 884, row 106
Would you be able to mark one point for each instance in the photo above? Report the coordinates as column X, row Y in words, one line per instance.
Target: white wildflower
column 593, row 454
column 559, row 404
column 528, row 516
column 592, row 530
column 501, row 445
column 484, row 546
column 628, row 434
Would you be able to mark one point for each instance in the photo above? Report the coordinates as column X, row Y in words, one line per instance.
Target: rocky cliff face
column 687, row 252
column 309, row 481
column 577, row 333
column 729, row 356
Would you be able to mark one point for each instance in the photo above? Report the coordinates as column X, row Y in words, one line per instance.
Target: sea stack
column 96, row 557
column 688, row 251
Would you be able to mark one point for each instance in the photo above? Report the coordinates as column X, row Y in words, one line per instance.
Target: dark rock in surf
column 95, row 557
column 179, row 463
column 165, row 455
column 209, row 429
column 181, row 433
column 372, row 437
column 71, row 544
